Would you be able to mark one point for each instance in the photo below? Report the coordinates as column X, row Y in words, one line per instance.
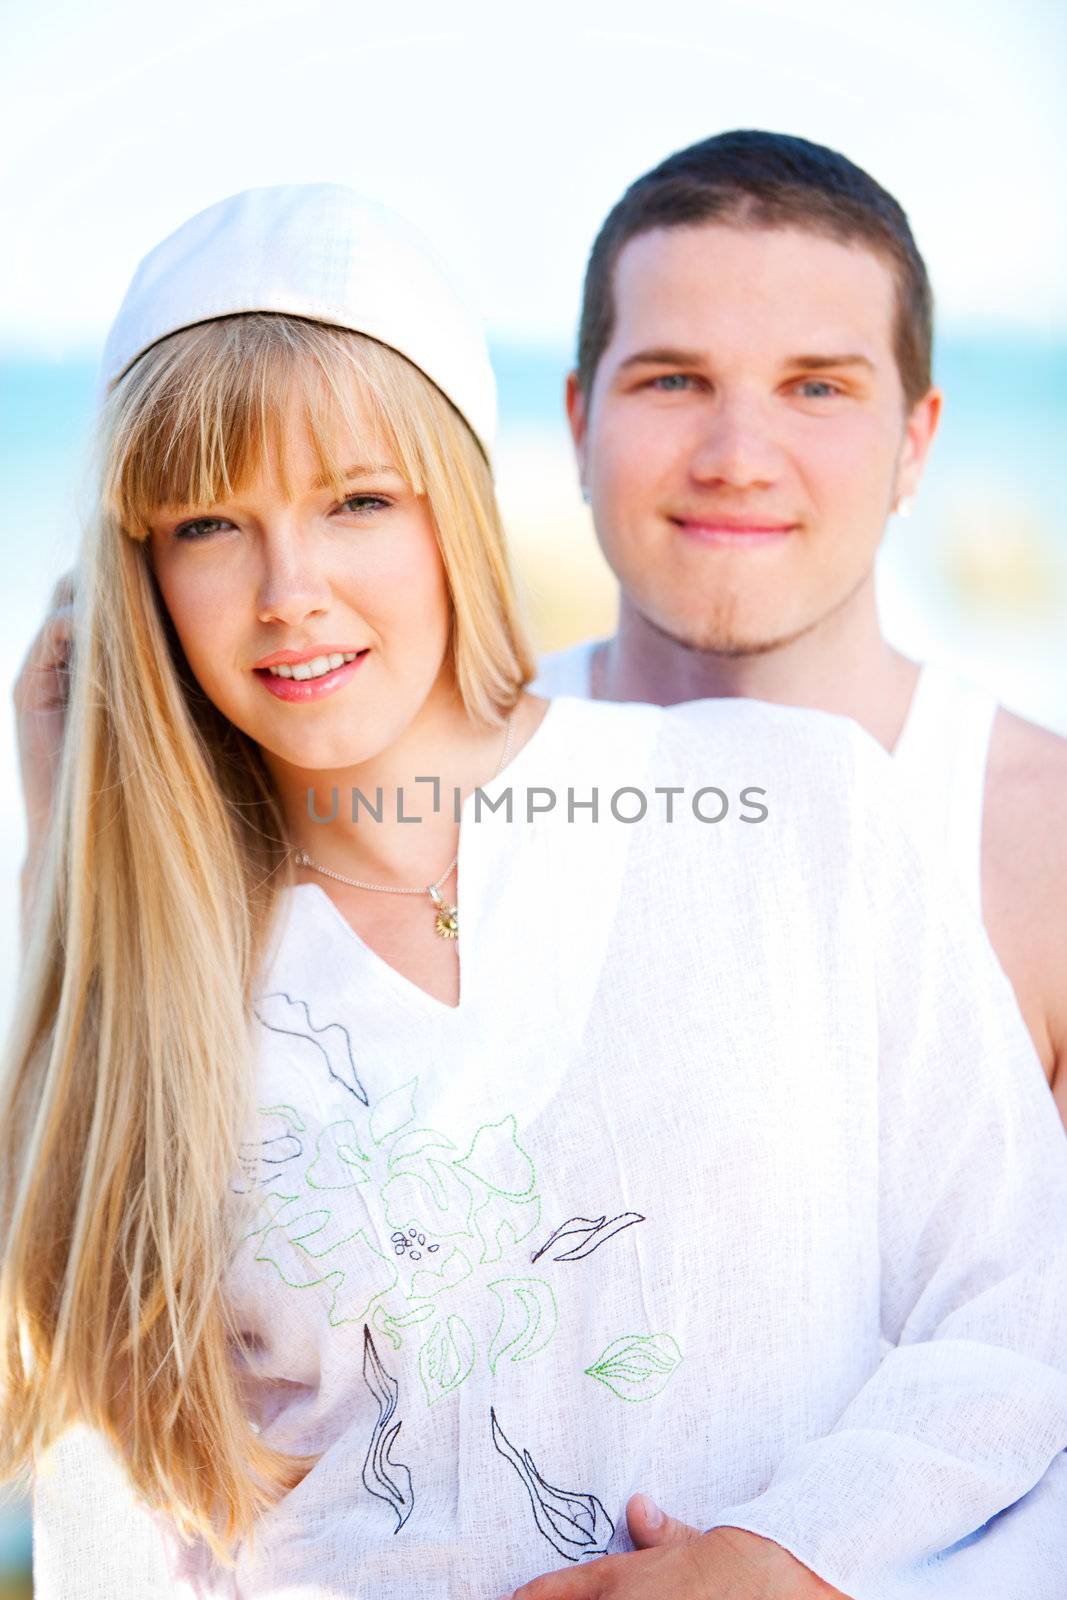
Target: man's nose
column 736, row 446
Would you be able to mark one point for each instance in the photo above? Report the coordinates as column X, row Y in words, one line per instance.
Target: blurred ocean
column 977, row 576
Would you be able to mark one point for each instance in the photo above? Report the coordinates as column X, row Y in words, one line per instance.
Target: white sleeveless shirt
column 941, row 754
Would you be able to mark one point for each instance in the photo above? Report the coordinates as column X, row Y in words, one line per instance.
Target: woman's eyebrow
column 359, row 470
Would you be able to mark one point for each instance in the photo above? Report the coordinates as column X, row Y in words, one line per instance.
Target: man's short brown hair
column 749, row 178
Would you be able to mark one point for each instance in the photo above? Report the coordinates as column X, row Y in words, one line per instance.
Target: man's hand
column 673, row 1561
column 40, row 698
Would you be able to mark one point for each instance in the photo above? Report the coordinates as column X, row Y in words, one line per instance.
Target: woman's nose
column 292, row 584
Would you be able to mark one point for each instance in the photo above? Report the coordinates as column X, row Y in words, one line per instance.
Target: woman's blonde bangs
column 199, row 414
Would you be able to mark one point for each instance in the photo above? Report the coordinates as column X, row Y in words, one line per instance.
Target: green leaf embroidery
column 527, row 1318
column 352, row 1292
column 446, row 1358
column 502, row 1223
column 393, row 1111
column 413, row 1142
column 339, row 1162
column 416, row 1314
column 425, row 1284
column 637, row 1366
column 497, row 1158
column 437, row 1203
column 289, row 1115
column 388, row 1324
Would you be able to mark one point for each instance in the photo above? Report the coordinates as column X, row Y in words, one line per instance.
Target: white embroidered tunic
column 733, row 1177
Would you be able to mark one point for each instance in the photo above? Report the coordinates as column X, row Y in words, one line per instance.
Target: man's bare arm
column 1024, row 880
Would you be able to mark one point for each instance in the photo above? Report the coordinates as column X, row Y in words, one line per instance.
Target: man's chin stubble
column 720, row 640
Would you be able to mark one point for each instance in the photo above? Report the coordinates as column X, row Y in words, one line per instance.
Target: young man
column 753, row 399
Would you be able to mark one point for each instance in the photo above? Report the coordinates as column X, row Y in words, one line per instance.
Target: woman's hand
column 40, row 696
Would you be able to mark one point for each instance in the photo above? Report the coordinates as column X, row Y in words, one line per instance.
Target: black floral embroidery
column 593, row 1232
column 575, row 1524
column 412, row 1243
column 385, row 1478
column 282, row 1014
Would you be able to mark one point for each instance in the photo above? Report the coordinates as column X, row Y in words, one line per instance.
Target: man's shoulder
column 1026, row 789
column 1024, row 868
column 819, row 746
column 1023, row 754
column 565, row 671
column 815, row 740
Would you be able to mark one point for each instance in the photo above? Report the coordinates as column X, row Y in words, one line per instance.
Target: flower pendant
column 446, row 922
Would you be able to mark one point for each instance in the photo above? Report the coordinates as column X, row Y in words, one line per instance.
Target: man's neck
column 843, row 665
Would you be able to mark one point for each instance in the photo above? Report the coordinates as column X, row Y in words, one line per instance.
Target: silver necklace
column 446, row 917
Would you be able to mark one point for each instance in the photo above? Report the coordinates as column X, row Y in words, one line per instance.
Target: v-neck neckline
column 468, row 887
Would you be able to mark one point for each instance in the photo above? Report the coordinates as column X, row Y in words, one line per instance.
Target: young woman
column 398, row 1196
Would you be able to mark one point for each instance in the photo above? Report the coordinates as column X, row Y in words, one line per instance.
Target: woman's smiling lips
column 715, row 529
column 307, row 688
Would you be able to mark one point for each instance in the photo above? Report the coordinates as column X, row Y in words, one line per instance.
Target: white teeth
column 314, row 668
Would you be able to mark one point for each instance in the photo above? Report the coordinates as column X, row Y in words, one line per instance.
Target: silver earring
column 905, row 505
column 585, row 495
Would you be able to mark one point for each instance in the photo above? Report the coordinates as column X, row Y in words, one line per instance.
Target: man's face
column 746, row 436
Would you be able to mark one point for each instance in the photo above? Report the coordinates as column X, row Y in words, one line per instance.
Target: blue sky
column 506, row 134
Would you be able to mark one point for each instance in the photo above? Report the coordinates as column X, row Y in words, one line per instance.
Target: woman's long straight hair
column 128, row 1074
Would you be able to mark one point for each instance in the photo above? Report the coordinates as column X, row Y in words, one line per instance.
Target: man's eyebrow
column 670, row 356
column 820, row 363
column 662, row 356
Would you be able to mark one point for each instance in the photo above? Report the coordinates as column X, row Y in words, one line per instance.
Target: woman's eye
column 198, row 528
column 364, row 504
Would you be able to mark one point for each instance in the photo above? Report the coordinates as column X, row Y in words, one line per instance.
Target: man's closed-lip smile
column 717, row 528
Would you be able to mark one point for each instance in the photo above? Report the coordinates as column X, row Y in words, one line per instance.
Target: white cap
column 315, row 250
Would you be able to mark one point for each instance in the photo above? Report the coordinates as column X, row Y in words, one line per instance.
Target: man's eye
column 818, row 389
column 199, row 528
column 671, row 381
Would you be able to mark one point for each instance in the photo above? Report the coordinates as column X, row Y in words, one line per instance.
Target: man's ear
column 919, row 433
column 577, row 416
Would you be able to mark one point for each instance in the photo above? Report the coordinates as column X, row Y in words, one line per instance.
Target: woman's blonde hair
column 128, row 1077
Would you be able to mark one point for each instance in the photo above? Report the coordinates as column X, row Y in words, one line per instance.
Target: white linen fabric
column 733, row 1177
column 940, row 756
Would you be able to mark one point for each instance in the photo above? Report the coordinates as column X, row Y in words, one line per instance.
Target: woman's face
column 268, row 579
